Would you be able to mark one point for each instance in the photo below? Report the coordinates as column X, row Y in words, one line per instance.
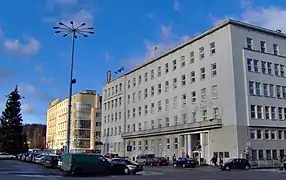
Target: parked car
column 51, row 161
column 88, row 163
column 237, row 163
column 144, row 158
column 185, row 163
column 38, row 158
column 24, row 156
column 159, row 161
column 6, row 156
column 129, row 166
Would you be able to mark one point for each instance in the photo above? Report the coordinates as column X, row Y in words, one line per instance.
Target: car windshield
column 230, row 160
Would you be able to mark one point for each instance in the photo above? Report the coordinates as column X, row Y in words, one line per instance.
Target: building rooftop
column 86, row 92
column 202, row 35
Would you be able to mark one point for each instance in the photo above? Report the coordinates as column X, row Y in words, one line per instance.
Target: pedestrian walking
column 214, row 161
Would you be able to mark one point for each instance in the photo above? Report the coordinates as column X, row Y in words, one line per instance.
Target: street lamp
column 66, row 30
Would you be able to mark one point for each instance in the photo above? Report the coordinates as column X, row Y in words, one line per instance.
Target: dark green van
column 84, row 163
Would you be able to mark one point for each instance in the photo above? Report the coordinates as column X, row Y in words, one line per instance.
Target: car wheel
column 126, row 171
column 184, row 165
column 76, row 171
column 247, row 168
column 175, row 165
column 227, row 168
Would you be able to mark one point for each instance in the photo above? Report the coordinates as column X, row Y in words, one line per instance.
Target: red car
column 159, row 161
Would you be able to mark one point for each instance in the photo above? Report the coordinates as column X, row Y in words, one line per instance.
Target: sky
column 36, row 59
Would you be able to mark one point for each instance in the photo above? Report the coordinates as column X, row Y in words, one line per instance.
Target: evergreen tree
column 12, row 139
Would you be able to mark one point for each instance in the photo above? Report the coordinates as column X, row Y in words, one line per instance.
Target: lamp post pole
column 74, row 32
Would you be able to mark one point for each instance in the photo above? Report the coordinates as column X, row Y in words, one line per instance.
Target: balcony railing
column 201, row 125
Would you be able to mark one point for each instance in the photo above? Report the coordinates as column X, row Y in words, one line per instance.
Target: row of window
column 267, row 134
column 113, row 104
column 264, row 67
column 203, row 94
column 166, row 122
column 183, row 77
column 267, row 90
column 113, row 91
column 166, row 88
column 268, row 154
column 112, row 131
column 263, row 46
column 118, row 88
column 267, row 112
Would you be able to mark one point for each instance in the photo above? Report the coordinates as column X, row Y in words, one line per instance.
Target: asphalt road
column 17, row 170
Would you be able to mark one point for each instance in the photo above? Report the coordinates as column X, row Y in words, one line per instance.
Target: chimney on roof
column 279, row 30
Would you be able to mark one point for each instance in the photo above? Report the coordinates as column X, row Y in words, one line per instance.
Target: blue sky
column 37, row 60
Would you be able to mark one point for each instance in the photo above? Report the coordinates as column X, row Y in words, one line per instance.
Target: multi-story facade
column 85, row 122
column 221, row 93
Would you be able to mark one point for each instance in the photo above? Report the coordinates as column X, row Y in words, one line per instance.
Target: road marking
column 38, row 175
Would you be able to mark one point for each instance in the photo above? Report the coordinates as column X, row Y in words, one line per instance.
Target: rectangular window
column 166, row 104
column 213, row 68
column 152, row 91
column 267, row 112
column 252, row 134
column 192, row 57
column 202, row 52
column 167, row 121
column 249, row 64
column 166, row 86
column 276, row 69
column 152, row 74
column 258, row 88
column 203, row 73
column 265, row 90
column 275, row 49
column 255, row 65
column 249, row 43
column 279, row 91
column 184, row 100
column 175, row 105
column 183, row 62
column 259, row 112
column 214, row 91
column 252, row 111
column 174, row 83
column 251, row 88
column 263, row 67
column 174, row 65
column 193, row 77
column 183, row 80
column 212, row 48
column 159, row 88
column 269, row 68
column 263, row 46
column 166, row 68
column 282, row 71
column 159, row 73
column 203, row 94
column 146, row 77
column 194, row 97
column 271, row 90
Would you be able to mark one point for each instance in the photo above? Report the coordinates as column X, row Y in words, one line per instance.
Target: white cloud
column 246, row 3
column 176, row 5
column 33, row 91
column 270, row 17
column 28, row 109
column 82, row 16
column 31, row 47
column 167, row 40
column 47, row 80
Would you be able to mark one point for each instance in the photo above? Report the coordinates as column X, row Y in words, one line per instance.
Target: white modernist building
column 222, row 93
